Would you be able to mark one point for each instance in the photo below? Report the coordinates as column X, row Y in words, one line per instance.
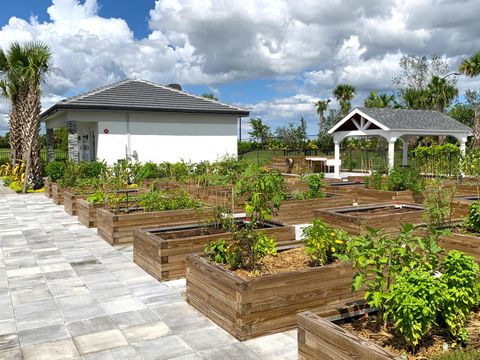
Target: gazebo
column 393, row 124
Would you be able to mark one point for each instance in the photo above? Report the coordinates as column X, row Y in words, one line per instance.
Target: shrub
column 459, row 274
column 405, row 178
column 55, row 170
column 438, row 205
column 161, row 200
column 414, row 302
column 374, row 181
column 472, row 220
column 147, row 171
column 323, row 243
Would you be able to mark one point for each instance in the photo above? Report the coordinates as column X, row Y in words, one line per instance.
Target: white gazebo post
column 463, row 145
column 336, row 167
column 391, row 152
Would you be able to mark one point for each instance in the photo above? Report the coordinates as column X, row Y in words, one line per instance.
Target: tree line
column 424, row 83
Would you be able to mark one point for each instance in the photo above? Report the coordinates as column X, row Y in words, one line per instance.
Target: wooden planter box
column 70, row 201
column 87, row 212
column 166, row 259
column 469, row 244
column 384, row 195
column 266, row 304
column 319, row 338
column 57, row 194
column 339, row 218
column 118, row 228
column 303, row 211
column 48, row 188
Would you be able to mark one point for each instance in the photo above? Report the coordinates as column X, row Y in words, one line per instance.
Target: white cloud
column 318, row 43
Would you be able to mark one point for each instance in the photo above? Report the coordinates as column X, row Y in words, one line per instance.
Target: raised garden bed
column 319, row 338
column 48, row 188
column 117, row 228
column 70, row 200
column 303, row 211
column 57, row 194
column 162, row 252
column 387, row 216
column 266, row 304
column 87, row 212
column 467, row 243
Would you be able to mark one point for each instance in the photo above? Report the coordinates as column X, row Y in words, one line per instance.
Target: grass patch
column 459, row 355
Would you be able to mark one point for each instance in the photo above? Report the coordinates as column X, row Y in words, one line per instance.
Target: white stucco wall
column 156, row 136
column 167, row 137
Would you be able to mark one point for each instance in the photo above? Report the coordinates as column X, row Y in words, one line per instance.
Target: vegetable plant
column 472, row 221
column 323, row 243
column 405, row 178
column 438, row 204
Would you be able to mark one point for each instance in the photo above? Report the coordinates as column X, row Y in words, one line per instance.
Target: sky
column 274, row 57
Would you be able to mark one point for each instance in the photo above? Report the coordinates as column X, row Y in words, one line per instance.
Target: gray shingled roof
column 402, row 119
column 141, row 95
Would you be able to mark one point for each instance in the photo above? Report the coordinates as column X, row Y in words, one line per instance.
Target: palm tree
column 416, row 99
column 344, row 93
column 29, row 65
column 471, row 68
column 11, row 89
column 321, row 106
column 442, row 93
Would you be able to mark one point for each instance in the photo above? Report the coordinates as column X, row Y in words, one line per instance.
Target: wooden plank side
column 321, row 339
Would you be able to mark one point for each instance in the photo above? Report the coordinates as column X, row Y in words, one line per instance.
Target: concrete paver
column 67, row 294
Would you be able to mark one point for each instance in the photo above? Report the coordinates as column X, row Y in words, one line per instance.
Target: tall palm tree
column 416, row 99
column 321, row 106
column 11, row 89
column 442, row 93
column 471, row 68
column 344, row 93
column 30, row 64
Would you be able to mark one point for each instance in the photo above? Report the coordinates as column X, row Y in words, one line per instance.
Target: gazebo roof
column 401, row 120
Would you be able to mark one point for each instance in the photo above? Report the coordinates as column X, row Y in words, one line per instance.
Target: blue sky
column 276, row 57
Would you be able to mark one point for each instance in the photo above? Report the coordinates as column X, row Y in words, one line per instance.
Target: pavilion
column 393, row 124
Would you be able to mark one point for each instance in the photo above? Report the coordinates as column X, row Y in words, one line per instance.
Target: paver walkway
column 66, row 294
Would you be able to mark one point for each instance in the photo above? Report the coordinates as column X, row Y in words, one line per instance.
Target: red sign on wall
column 106, row 131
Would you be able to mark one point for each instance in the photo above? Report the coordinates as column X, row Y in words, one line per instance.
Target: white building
column 144, row 121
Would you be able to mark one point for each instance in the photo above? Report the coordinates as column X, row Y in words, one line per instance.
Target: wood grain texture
column 469, row 244
column 118, row 228
column 47, row 184
column 70, row 200
column 355, row 225
column 87, row 212
column 57, row 194
column 266, row 304
column 321, row 339
column 166, row 259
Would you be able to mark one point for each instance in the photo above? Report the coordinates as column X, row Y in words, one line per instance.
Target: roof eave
column 57, row 107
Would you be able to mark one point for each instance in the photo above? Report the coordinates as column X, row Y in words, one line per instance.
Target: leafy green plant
column 438, row 204
column 472, row 221
column 460, row 275
column 55, row 170
column 377, row 258
column 374, row 181
column 323, row 243
column 161, row 200
column 414, row 302
column 405, row 178
column 97, row 197
column 147, row 171
column 244, row 251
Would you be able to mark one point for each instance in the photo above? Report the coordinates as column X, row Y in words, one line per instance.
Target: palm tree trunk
column 31, row 145
column 476, row 130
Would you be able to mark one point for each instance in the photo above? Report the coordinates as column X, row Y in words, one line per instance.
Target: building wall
column 167, row 137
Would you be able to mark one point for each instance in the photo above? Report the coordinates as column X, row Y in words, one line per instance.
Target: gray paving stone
column 100, row 300
column 134, row 318
column 209, row 338
column 171, row 346
column 43, row 334
column 56, row 350
column 89, row 326
column 99, row 341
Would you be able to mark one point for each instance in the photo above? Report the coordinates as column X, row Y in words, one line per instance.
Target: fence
column 59, row 155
